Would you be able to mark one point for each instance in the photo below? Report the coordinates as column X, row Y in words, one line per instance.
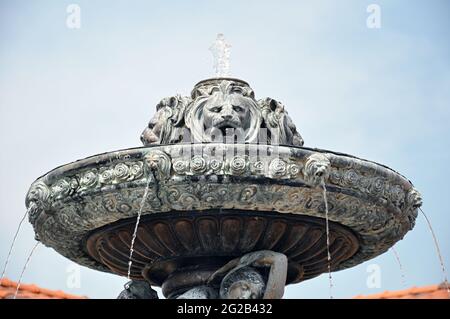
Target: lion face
column 223, row 104
column 317, row 169
column 165, row 124
column 152, row 133
column 223, row 111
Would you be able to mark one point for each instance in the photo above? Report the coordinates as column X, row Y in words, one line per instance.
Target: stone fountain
column 221, row 176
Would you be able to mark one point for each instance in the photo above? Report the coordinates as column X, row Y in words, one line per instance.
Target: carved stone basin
column 207, row 202
column 220, row 206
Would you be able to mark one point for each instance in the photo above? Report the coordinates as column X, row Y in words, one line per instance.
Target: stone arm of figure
column 264, row 258
column 277, row 274
column 218, row 275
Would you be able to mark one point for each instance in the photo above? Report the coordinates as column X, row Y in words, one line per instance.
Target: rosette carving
column 106, row 176
column 64, row 187
column 397, row 196
column 293, row 170
column 198, row 164
column 277, row 167
column 216, row 165
column 238, row 165
column 136, row 170
column 121, row 172
column 88, row 180
column 180, row 166
column 351, row 178
column 377, row 186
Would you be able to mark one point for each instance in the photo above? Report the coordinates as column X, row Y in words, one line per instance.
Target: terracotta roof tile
column 8, row 289
column 30, row 291
column 426, row 292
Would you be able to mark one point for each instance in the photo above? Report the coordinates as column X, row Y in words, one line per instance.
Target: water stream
column 330, row 279
column 221, row 53
column 438, row 251
column 13, row 244
column 25, row 268
column 400, row 265
column 138, row 219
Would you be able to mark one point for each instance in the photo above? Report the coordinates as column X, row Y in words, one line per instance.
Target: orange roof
column 427, row 292
column 8, row 289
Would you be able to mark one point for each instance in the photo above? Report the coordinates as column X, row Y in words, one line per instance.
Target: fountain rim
column 220, row 78
column 85, row 161
column 373, row 209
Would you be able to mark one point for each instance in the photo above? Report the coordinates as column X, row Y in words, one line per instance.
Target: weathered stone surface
column 216, row 105
column 216, row 153
column 377, row 203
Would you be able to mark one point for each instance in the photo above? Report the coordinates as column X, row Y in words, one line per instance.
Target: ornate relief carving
column 159, row 162
column 39, row 199
column 375, row 202
column 310, row 169
column 221, row 105
column 167, row 124
column 317, row 169
column 378, row 204
column 278, row 122
column 216, row 105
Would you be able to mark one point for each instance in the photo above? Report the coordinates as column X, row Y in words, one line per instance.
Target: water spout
column 438, row 251
column 138, row 219
column 402, row 271
column 25, row 268
column 221, row 53
column 13, row 244
column 330, row 279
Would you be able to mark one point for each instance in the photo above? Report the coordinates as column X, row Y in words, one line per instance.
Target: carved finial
column 221, row 52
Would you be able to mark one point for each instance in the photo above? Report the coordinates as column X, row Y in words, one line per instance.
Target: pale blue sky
column 380, row 94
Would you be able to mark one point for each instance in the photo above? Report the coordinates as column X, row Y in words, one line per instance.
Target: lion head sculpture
column 220, row 109
column 221, row 105
column 280, row 127
column 167, row 124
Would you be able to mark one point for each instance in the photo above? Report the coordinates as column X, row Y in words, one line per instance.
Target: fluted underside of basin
column 167, row 243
